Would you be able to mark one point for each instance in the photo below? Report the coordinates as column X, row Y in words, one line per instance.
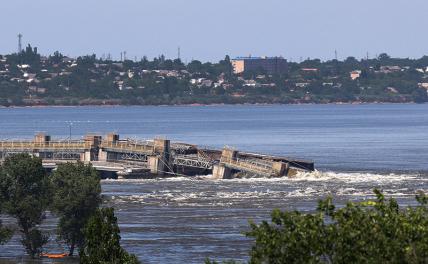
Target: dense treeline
column 28, row 78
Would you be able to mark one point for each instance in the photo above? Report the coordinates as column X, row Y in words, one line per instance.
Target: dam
column 128, row 158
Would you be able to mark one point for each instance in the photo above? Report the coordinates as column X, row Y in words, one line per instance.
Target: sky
column 207, row 30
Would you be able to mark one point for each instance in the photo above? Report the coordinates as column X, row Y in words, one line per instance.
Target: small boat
column 54, row 256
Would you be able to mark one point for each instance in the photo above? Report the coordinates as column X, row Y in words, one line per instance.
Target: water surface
column 183, row 220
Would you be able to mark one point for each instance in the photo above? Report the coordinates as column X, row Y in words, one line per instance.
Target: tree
column 24, row 191
column 383, row 57
column 102, row 241
column 375, row 231
column 420, row 95
column 5, row 233
column 76, row 193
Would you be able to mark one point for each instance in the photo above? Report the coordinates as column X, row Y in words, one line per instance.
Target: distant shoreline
column 214, row 104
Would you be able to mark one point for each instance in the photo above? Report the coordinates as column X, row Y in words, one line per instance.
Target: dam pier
column 126, row 158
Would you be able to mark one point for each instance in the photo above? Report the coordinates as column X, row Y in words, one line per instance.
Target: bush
column 365, row 232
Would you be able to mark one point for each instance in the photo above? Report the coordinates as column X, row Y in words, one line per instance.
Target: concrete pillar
column 156, row 165
column 92, row 141
column 92, row 144
column 221, row 172
column 41, row 138
column 112, row 138
column 162, row 147
column 280, row 168
column 228, row 154
column 87, row 156
column 102, row 155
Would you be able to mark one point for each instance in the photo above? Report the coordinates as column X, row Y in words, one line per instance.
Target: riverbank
column 204, row 104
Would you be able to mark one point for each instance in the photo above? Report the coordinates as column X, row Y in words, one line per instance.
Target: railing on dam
column 194, row 161
column 264, row 168
column 50, row 145
column 128, row 146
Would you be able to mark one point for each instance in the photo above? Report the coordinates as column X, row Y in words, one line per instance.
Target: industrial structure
column 116, row 158
column 272, row 65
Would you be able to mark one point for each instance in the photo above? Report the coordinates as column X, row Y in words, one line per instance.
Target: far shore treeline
column 29, row 79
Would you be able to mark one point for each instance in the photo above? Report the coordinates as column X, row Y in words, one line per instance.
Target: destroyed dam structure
column 126, row 158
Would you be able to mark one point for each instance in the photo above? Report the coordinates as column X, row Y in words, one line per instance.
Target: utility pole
column 19, row 43
column 70, row 124
column 179, row 53
column 121, row 56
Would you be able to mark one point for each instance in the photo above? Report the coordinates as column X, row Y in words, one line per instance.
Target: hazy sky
column 209, row 29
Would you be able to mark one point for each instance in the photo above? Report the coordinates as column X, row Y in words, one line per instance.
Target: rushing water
column 184, row 220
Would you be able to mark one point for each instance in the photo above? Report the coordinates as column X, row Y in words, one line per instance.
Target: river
column 184, row 220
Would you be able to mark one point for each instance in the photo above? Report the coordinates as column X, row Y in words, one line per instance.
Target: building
column 355, row 75
column 272, row 65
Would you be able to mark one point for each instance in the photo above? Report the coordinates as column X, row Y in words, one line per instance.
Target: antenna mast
column 19, row 43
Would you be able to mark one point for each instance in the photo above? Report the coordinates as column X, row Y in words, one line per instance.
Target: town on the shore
column 30, row 79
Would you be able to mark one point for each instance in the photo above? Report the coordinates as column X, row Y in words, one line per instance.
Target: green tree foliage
column 102, row 241
column 361, row 232
column 5, row 233
column 28, row 56
column 24, row 192
column 76, row 193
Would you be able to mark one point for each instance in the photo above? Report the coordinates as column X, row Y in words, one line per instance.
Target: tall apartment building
column 272, row 65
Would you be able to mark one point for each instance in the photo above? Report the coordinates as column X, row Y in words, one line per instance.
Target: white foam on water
column 315, row 176
column 348, row 177
column 354, row 177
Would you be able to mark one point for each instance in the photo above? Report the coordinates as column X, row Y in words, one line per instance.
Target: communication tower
column 19, row 43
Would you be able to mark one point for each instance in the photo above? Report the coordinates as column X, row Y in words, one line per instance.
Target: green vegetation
column 361, row 232
column 25, row 197
column 73, row 192
column 76, row 196
column 31, row 79
column 5, row 233
column 102, row 243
